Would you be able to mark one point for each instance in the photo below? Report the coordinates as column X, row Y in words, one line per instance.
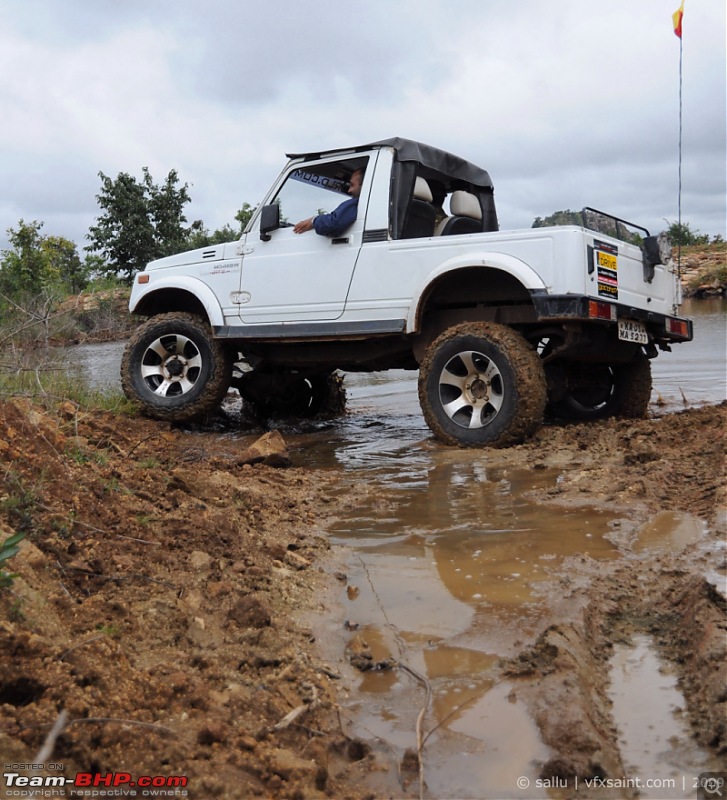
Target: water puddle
column 490, row 749
column 654, row 735
column 669, row 532
column 450, row 567
column 461, row 552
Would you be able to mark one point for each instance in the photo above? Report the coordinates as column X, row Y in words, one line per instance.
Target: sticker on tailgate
column 605, row 264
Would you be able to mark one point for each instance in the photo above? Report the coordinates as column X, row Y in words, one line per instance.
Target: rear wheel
column 597, row 391
column 481, row 384
column 175, row 368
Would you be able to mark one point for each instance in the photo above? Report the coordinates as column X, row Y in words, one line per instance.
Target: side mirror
column 269, row 220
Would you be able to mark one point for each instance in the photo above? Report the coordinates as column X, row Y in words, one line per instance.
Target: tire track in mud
column 564, row 676
column 638, row 469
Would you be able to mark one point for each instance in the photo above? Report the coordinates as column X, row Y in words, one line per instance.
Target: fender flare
column 193, row 286
column 518, row 269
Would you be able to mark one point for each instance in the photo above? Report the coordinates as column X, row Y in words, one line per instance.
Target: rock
column 288, row 765
column 199, row 559
column 213, row 731
column 269, row 449
column 68, row 410
column 296, row 561
column 199, row 635
column 248, row 612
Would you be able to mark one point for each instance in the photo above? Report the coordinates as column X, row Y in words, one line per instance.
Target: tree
column 166, row 210
column 65, row 265
column 244, row 215
column 566, row 217
column 682, row 234
column 23, row 269
column 38, row 263
column 199, row 236
column 140, row 222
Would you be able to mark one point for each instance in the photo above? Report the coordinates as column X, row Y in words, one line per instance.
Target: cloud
column 565, row 103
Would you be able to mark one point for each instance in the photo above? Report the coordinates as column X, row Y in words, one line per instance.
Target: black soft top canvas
column 429, row 157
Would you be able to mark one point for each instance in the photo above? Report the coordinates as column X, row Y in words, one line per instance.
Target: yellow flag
column 677, row 20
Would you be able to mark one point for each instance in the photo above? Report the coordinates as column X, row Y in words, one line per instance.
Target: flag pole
column 679, row 196
column 678, row 19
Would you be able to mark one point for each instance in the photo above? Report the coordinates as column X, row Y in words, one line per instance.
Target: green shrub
column 8, row 549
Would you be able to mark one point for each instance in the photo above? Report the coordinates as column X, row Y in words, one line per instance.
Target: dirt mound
column 157, row 601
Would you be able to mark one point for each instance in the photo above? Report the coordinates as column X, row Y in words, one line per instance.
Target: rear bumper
column 565, row 307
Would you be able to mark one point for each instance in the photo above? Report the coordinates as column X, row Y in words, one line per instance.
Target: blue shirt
column 335, row 223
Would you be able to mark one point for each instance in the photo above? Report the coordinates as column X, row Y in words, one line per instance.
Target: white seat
column 421, row 213
column 466, row 215
column 422, row 191
column 465, row 204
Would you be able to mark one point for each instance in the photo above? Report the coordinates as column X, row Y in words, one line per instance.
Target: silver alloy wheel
column 471, row 389
column 171, row 365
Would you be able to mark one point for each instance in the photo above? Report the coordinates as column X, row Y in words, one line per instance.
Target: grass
column 18, row 504
column 109, row 629
column 31, row 367
column 51, row 384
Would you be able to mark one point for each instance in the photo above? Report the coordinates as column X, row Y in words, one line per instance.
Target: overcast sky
column 566, row 103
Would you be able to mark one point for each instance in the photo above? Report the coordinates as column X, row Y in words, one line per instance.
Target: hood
column 201, row 255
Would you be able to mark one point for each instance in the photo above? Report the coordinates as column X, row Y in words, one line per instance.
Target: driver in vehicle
column 341, row 218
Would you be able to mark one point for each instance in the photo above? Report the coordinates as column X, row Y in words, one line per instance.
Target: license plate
column 631, row 331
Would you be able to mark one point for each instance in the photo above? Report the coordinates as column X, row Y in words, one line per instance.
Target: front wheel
column 175, row 368
column 481, row 384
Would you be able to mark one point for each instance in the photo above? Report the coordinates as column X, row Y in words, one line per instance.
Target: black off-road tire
column 288, row 394
column 600, row 391
column 175, row 368
column 635, row 386
column 482, row 384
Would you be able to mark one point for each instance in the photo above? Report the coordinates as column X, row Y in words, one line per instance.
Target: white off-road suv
column 502, row 325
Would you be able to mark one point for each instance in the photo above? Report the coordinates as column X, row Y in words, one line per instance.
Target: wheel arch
column 191, row 296
column 489, row 278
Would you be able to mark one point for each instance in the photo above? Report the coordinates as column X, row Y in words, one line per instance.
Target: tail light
column 599, row 310
column 677, row 327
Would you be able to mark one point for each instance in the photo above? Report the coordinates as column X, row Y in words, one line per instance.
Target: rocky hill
column 704, row 270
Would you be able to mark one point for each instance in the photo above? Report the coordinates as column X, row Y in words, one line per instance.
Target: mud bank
column 163, row 587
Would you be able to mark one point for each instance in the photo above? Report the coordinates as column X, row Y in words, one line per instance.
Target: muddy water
column 657, row 743
column 450, row 567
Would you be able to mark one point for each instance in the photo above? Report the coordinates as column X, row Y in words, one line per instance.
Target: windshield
column 317, row 189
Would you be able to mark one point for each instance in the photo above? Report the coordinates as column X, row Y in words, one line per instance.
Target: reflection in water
column 449, row 561
column 471, row 531
column 508, row 748
column 695, row 372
